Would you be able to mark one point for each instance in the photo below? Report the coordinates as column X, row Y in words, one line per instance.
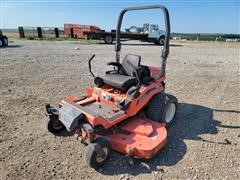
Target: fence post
column 71, row 33
column 56, row 33
column 39, row 30
column 21, row 32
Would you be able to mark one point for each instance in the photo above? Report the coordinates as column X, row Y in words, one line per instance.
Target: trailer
column 149, row 33
column 78, row 30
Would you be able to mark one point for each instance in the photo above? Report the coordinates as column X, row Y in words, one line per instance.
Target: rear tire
column 161, row 41
column 108, row 39
column 92, row 158
column 1, row 43
column 162, row 108
column 5, row 42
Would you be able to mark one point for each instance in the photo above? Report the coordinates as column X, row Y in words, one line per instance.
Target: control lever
column 90, row 66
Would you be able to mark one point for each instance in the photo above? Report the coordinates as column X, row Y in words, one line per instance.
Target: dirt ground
column 204, row 143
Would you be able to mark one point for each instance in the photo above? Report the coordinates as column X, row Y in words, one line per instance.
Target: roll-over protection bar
column 165, row 50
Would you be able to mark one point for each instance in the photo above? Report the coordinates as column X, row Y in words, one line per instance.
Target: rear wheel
column 1, row 43
column 5, row 42
column 108, row 39
column 162, row 108
column 93, row 156
column 161, row 40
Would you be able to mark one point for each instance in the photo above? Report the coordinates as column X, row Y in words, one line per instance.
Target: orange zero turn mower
column 127, row 111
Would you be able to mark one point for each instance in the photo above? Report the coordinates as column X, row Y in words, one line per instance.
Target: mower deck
column 140, row 138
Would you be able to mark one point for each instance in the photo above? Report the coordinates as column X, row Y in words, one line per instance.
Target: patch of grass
column 48, row 38
column 86, row 42
column 52, row 38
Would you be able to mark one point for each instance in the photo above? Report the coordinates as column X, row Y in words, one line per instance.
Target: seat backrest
column 130, row 63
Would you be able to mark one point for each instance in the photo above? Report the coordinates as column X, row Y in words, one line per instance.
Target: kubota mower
column 128, row 110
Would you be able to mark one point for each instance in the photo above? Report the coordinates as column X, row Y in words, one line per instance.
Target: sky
column 186, row 16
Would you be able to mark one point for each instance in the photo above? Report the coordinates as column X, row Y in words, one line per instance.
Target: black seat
column 121, row 82
column 124, row 78
column 128, row 74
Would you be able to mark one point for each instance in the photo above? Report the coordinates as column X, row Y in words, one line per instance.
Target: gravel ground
column 204, row 143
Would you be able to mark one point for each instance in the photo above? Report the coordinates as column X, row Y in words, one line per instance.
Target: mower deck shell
column 140, row 138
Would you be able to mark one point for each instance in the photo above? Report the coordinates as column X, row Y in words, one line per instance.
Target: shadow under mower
column 127, row 111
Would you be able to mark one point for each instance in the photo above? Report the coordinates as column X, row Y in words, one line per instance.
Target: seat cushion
column 120, row 81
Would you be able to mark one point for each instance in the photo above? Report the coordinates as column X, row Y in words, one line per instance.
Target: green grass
column 49, row 38
column 86, row 42
column 52, row 38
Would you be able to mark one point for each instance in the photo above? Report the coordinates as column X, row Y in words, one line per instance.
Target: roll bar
column 165, row 50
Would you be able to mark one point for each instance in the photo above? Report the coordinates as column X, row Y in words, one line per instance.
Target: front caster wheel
column 97, row 153
column 54, row 125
